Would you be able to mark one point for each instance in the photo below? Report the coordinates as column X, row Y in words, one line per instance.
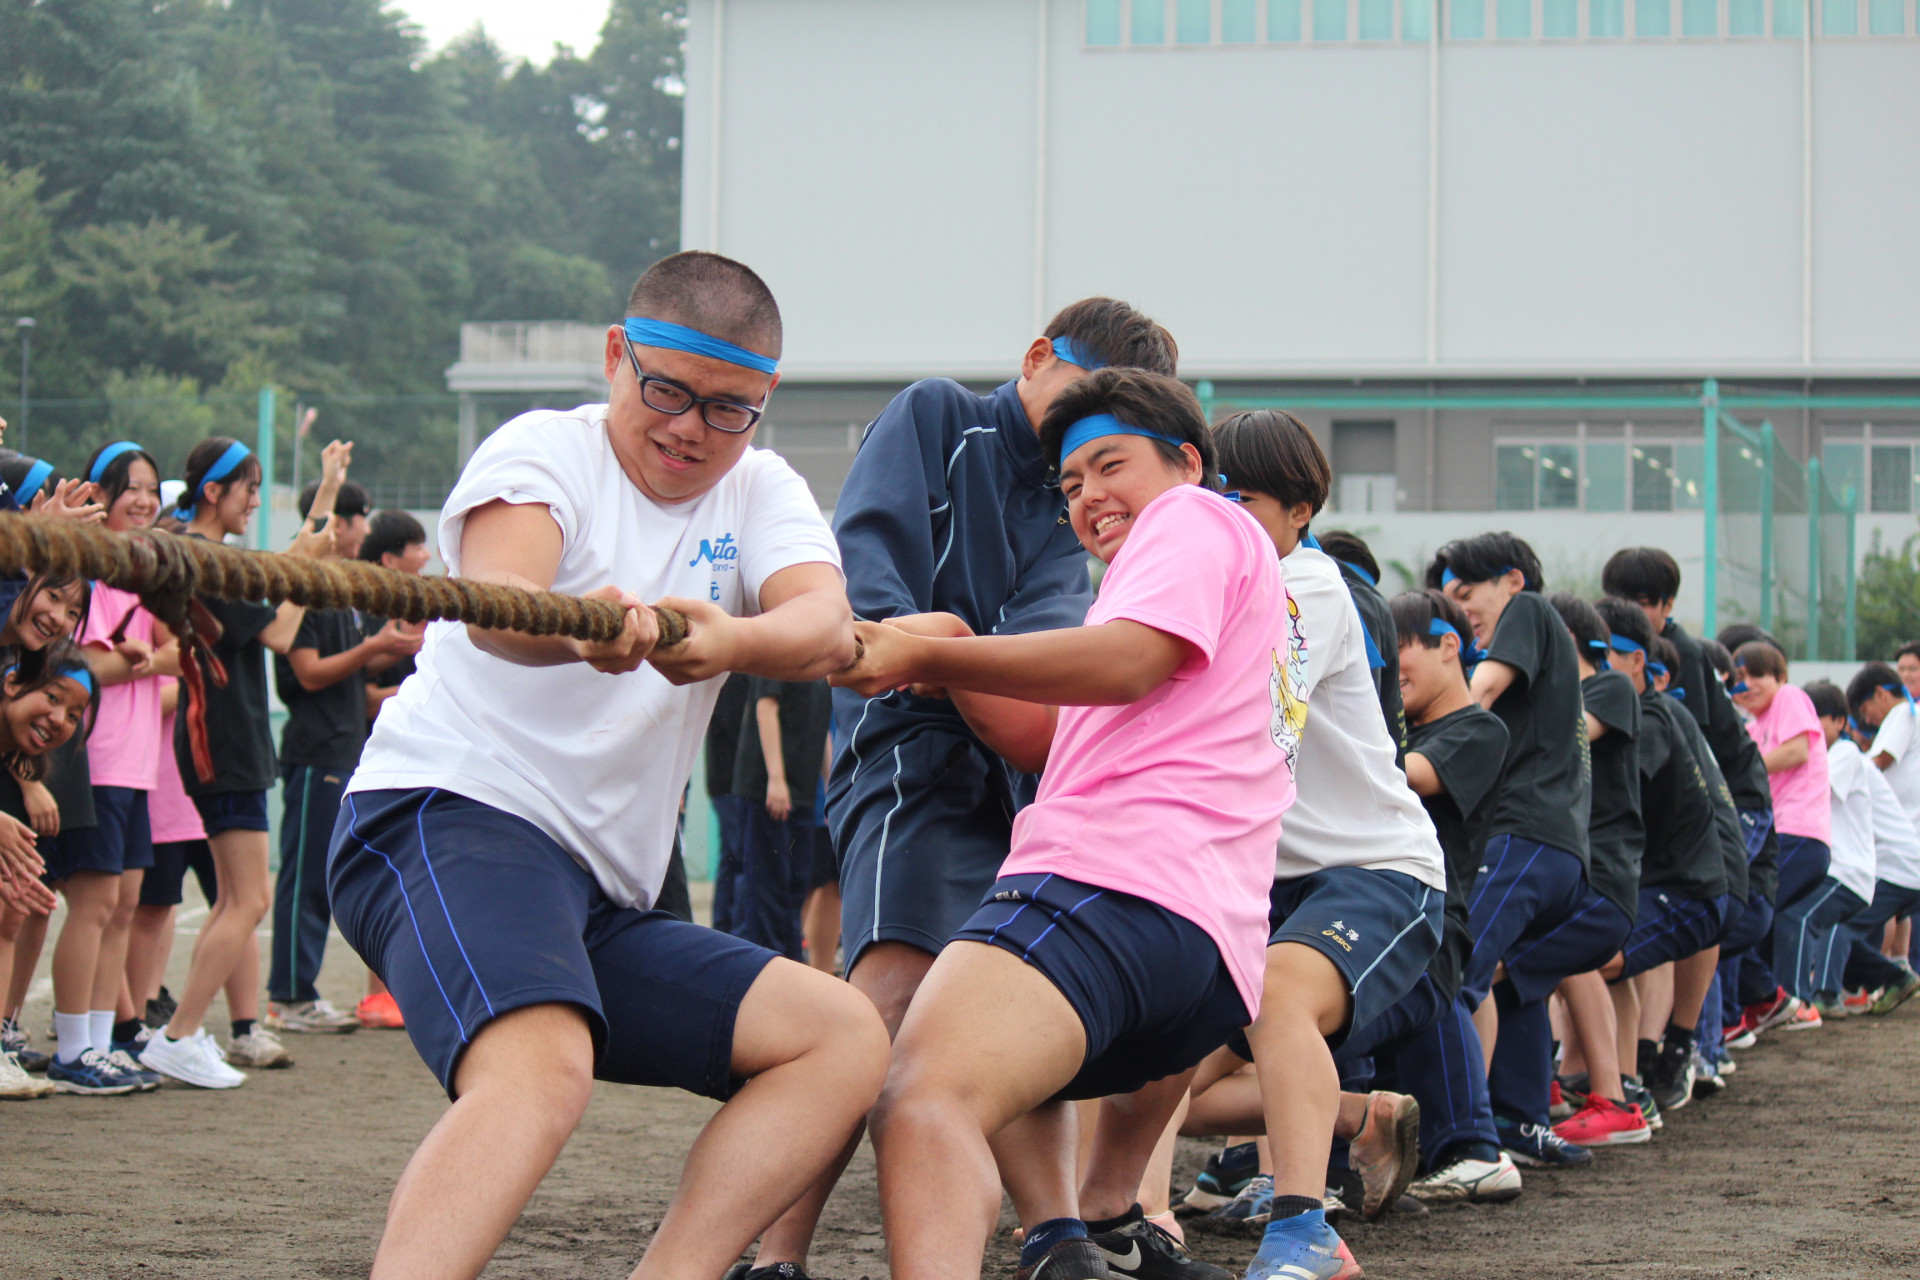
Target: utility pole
column 25, row 325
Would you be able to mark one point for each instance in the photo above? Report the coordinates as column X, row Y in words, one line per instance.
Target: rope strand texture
column 168, row 570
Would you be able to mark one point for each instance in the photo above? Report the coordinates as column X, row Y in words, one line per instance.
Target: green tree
column 1888, row 600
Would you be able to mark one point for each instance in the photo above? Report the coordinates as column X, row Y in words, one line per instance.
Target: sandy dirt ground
column 1805, row 1168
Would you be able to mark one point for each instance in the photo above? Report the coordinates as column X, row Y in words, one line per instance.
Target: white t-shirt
column 1899, row 737
column 1896, row 845
column 1352, row 806
column 1854, row 859
column 596, row 761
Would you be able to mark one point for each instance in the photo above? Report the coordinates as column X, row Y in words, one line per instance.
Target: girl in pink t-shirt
column 1787, row 731
column 1126, row 938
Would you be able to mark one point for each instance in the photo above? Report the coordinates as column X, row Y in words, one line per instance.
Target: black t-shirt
column 1683, row 845
column 1734, row 749
column 1383, row 651
column 326, row 728
column 70, row 782
column 238, row 735
column 806, row 713
column 723, row 734
column 13, row 801
column 1615, row 833
column 1546, row 791
column 1726, row 819
column 386, row 677
column 1466, row 749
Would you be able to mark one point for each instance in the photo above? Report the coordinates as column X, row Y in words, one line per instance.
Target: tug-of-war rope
column 167, row 571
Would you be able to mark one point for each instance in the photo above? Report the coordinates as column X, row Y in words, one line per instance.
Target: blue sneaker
column 1246, row 1213
column 1226, row 1174
column 126, row 1061
column 1303, row 1247
column 1537, row 1146
column 90, row 1073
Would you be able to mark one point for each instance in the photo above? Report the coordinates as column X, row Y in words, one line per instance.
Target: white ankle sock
column 73, row 1034
column 100, row 1029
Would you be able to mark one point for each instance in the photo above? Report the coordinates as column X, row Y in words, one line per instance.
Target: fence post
column 1815, row 485
column 1766, row 526
column 1204, row 389
column 1710, row 501
column 1853, row 586
column 263, row 447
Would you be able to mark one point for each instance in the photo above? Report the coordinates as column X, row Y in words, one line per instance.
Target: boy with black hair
column 1361, row 572
column 950, row 507
column 322, row 680
column 394, row 540
column 1896, row 894
column 1849, row 885
column 1881, row 702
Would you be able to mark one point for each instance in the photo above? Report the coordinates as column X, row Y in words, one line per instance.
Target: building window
column 1789, row 17
column 1283, row 21
column 1513, row 19
column 1652, row 18
column 1560, row 19
column 1606, row 19
column 1416, row 20
column 1699, row 17
column 1467, row 19
column 1103, row 22
column 1653, row 477
column 1887, row 17
column 1605, row 482
column 1376, row 19
column 1193, row 22
column 1149, row 22
column 1746, row 17
column 1839, row 17
column 1537, row 477
column 1892, row 478
column 1239, row 21
column 1329, row 20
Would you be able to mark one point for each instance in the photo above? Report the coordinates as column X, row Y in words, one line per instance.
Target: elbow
column 838, row 653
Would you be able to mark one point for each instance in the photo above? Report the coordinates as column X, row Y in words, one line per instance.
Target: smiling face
column 1484, row 602
column 140, row 504
column 45, row 718
column 228, row 507
column 413, row 559
column 676, row 458
column 52, row 614
column 1759, row 693
column 1426, row 673
column 1110, row 479
column 1909, row 668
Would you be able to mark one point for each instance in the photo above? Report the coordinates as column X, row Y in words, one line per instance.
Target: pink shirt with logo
column 173, row 816
column 1800, row 796
column 1177, row 798
column 124, row 748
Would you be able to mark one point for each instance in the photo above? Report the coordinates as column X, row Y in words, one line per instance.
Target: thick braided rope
column 165, row 566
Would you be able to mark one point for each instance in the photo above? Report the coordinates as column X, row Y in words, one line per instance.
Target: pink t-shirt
column 1800, row 797
column 173, row 816
column 124, row 748
column 1177, row 798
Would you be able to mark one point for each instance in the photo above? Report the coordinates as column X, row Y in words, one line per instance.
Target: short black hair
column 1667, row 656
column 1623, row 617
column 117, row 476
column 390, row 532
column 1414, row 613
column 1869, row 680
column 720, row 297
column 351, row 501
column 1151, row 401
column 1350, row 548
column 1583, row 623
column 1641, row 574
column 1717, row 654
column 1911, row 649
column 1270, row 451
column 1484, row 558
column 1762, row 658
column 1736, row 634
column 1827, row 702
column 1114, row 333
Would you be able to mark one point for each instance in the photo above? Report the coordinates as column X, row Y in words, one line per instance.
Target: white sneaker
column 195, row 1061
column 312, row 1016
column 1471, row 1182
column 16, row 1084
column 258, row 1048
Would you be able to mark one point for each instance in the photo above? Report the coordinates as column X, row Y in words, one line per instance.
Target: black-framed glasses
column 663, row 395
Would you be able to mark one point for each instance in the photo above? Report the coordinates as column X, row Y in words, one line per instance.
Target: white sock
column 73, row 1034
column 100, row 1029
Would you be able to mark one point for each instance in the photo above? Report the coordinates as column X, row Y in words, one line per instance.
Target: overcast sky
column 523, row 29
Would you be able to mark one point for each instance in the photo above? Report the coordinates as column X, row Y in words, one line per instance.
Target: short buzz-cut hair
column 1736, row 634
column 720, row 297
column 1667, row 655
column 1150, row 401
column 1114, row 333
column 1272, row 452
column 1641, row 574
column 1485, row 557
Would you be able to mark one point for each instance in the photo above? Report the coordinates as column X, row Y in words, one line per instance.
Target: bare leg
column 243, row 985
column 1691, row 978
column 149, row 942
column 31, row 940
column 1590, row 1012
column 226, row 940
column 1230, row 1106
column 1156, row 1185
column 1626, row 1023
column 1037, row 1155
column 1299, row 1084
column 91, row 898
column 110, row 970
column 1486, row 1021
column 1130, row 1129
column 820, row 923
column 374, row 985
column 1656, row 1002
column 10, row 921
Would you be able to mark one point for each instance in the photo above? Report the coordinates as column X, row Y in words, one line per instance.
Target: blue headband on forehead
column 1623, row 644
column 1104, row 424
column 677, row 337
column 30, row 483
column 1448, row 576
column 1656, row 668
column 107, row 455
column 236, row 454
column 79, row 674
column 1073, row 353
column 1469, row 655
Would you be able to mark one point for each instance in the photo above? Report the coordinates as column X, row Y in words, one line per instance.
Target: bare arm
column 1111, row 664
column 1788, row 755
column 1421, row 776
column 385, row 647
column 766, row 715
column 1491, row 679
column 1021, row 733
column 804, row 631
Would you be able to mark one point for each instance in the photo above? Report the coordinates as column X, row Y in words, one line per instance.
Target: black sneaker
column 772, row 1271
column 1537, row 1146
column 1227, row 1172
column 1639, row 1096
column 1076, row 1259
column 1148, row 1250
column 1670, row 1077
column 160, row 1009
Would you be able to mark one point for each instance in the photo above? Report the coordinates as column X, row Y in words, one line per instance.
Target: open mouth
column 675, row 459
column 41, row 735
column 45, row 627
column 1108, row 523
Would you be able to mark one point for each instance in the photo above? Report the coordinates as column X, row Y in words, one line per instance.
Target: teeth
column 1107, row 522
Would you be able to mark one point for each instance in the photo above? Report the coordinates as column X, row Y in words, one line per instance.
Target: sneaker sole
column 298, row 1029
column 93, row 1091
column 1884, row 1006
column 1406, row 1154
column 1797, row 1025
column 1531, row 1162
column 1198, row 1201
column 189, row 1080
column 1621, row 1138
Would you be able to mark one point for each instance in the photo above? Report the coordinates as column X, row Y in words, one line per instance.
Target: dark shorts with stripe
column 467, row 912
column 1581, row 943
column 120, row 839
column 1669, row 927
column 1152, row 993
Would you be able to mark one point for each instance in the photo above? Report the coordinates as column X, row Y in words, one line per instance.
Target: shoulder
column 544, row 433
column 932, row 404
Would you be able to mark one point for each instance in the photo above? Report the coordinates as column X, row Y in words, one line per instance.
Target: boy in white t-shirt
column 511, row 821
column 1848, row 886
column 1879, row 701
column 1896, row 894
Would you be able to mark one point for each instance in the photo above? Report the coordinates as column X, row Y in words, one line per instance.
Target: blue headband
column 1366, row 577
column 1104, row 424
column 1623, row 644
column 236, row 454
column 677, row 337
column 1073, row 353
column 1656, row 668
column 79, row 674
column 1675, row 691
column 1469, row 656
column 1600, row 646
column 1899, row 689
column 1738, row 686
column 107, row 455
column 30, row 483
column 1448, row 576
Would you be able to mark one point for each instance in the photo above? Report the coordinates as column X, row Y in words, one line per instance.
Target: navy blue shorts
column 166, row 878
column 1669, row 927
column 120, row 839
column 1380, row 929
column 1581, row 943
column 467, row 912
column 1152, row 992
column 1524, row 889
column 921, row 831
column 233, row 811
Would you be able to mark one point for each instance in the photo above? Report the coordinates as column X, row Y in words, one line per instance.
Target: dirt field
column 288, row 1177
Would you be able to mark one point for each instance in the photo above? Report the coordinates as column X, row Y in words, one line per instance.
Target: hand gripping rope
column 167, row 571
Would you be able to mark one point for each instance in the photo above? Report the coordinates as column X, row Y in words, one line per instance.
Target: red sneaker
column 1804, row 1018
column 1604, row 1123
column 1739, row 1035
column 378, row 1011
column 1771, row 1013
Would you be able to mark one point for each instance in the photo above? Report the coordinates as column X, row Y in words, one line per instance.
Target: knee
column 851, row 1031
